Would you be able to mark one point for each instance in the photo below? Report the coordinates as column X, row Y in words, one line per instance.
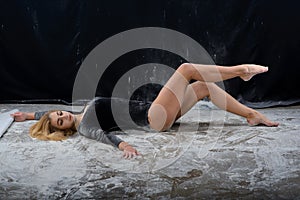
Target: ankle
column 251, row 114
column 242, row 70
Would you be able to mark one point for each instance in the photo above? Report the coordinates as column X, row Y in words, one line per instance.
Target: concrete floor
column 209, row 155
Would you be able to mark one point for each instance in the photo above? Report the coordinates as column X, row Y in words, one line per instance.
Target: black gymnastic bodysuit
column 104, row 115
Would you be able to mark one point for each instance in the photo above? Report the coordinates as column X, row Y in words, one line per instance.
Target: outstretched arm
column 22, row 116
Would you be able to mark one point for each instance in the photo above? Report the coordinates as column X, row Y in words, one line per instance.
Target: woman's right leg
column 167, row 105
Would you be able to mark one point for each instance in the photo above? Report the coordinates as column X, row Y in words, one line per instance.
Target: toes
column 275, row 124
column 266, row 68
column 261, row 121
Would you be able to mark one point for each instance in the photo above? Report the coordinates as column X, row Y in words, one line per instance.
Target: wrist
column 29, row 116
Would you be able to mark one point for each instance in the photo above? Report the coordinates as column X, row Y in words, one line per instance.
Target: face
column 62, row 120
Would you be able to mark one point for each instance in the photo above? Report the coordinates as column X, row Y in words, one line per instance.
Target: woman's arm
column 22, row 116
column 108, row 138
column 90, row 127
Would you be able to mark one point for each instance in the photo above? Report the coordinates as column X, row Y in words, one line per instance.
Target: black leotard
column 105, row 115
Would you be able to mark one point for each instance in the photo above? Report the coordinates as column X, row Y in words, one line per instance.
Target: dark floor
column 210, row 154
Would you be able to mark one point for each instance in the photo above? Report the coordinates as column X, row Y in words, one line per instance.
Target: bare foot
column 252, row 70
column 257, row 118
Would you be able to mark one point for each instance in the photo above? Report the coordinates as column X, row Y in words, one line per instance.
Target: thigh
column 163, row 111
column 167, row 104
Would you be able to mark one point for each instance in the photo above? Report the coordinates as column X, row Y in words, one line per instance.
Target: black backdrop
column 43, row 43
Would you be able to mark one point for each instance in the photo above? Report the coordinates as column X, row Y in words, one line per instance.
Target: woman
column 176, row 98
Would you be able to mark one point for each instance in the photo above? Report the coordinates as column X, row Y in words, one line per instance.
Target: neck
column 77, row 120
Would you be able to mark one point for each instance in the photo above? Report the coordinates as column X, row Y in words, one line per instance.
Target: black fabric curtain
column 43, row 43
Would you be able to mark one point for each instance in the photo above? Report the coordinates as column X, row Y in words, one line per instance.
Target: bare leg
column 164, row 110
column 223, row 100
column 232, row 105
column 213, row 73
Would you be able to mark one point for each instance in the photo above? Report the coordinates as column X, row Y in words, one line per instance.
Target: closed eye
column 59, row 121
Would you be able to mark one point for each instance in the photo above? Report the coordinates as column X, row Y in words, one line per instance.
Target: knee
column 186, row 69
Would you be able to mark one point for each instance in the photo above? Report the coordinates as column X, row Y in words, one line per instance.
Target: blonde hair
column 43, row 130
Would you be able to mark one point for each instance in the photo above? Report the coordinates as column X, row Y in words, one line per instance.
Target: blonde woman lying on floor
column 175, row 98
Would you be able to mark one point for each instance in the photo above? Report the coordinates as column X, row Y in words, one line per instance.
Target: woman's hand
column 19, row 116
column 128, row 150
column 22, row 116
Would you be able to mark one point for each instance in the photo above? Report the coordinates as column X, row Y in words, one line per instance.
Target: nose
column 63, row 116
